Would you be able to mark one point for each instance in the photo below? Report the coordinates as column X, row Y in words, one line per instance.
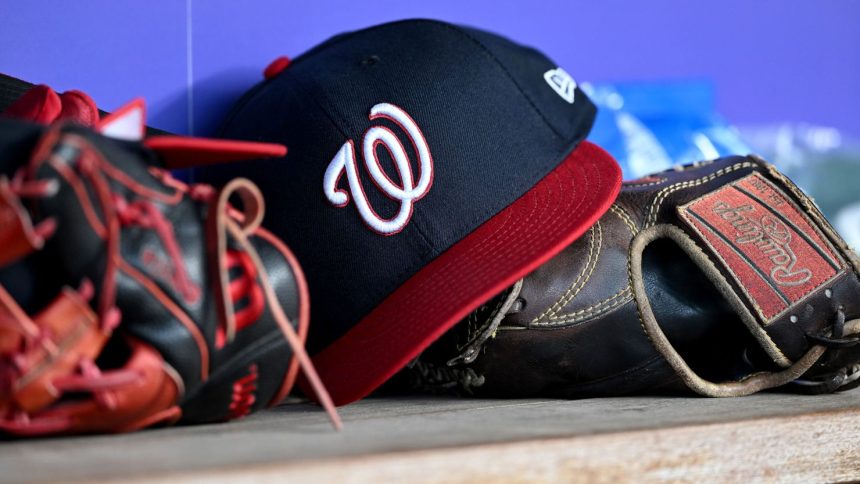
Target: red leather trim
column 182, row 152
column 79, row 107
column 39, row 104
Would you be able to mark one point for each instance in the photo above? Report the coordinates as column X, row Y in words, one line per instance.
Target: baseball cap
column 430, row 166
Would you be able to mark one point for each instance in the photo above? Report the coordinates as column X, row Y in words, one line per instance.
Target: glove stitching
column 664, row 193
column 621, row 297
column 633, row 184
column 595, row 239
column 625, row 217
column 551, row 317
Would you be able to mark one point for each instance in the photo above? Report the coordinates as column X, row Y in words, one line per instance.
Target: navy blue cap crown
column 403, row 138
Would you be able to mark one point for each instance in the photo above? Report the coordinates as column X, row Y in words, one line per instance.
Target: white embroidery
column 561, row 82
column 407, row 193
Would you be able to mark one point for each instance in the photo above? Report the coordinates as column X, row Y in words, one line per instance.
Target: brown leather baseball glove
column 131, row 299
column 722, row 278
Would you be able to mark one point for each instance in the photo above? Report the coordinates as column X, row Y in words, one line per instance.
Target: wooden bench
column 424, row 439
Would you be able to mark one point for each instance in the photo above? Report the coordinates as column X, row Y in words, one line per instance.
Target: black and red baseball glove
column 129, row 298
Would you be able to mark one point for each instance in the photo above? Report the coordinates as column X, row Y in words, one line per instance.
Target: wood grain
column 761, row 438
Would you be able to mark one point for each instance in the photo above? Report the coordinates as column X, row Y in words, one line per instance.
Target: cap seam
column 458, row 29
column 337, row 123
column 504, row 69
column 240, row 105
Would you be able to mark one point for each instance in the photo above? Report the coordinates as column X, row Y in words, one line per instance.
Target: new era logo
column 561, row 82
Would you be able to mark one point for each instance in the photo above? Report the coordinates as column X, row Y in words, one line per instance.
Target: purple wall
column 770, row 60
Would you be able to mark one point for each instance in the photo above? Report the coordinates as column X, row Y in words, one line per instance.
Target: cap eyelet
column 370, row 60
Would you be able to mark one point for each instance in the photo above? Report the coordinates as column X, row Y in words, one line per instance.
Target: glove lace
column 255, row 286
column 36, row 189
column 144, row 213
column 842, row 379
column 837, row 337
column 432, row 378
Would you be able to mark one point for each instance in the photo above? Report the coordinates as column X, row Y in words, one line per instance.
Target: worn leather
column 576, row 329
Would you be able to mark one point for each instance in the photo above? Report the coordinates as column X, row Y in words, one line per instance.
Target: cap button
column 276, row 67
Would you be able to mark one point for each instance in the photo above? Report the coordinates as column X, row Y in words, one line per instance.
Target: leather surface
column 575, row 330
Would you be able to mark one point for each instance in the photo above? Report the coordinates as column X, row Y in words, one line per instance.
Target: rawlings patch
column 765, row 241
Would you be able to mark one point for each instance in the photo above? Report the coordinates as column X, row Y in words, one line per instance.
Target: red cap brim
column 514, row 242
